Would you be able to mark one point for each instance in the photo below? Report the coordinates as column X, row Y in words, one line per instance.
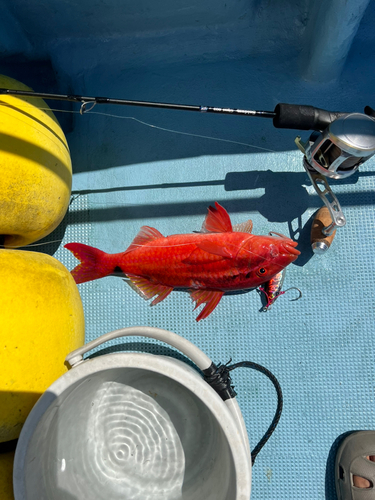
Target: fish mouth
column 288, row 244
column 290, row 247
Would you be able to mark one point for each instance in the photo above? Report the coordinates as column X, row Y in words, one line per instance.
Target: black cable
column 219, row 379
column 276, row 418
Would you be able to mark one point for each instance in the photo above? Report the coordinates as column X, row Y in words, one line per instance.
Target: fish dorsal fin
column 217, row 220
column 145, row 235
column 244, row 227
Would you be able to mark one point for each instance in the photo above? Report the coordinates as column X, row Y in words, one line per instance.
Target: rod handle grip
column 301, row 117
column 370, row 111
column 320, row 243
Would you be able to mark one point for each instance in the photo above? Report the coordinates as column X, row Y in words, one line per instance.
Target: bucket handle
column 190, row 350
column 203, row 362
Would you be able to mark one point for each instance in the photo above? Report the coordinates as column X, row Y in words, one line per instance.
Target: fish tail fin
column 94, row 263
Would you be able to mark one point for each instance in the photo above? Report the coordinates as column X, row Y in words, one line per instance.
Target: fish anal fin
column 244, row 227
column 147, row 290
column 217, row 220
column 145, row 235
column 209, row 297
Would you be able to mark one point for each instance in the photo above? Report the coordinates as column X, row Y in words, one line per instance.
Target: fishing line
column 141, row 245
column 182, row 133
column 33, row 244
column 151, row 125
column 133, row 244
column 179, row 245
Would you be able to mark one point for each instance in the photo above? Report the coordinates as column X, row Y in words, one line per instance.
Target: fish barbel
column 221, row 258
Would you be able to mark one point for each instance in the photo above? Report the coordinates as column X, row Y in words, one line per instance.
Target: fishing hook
column 271, row 301
column 294, row 288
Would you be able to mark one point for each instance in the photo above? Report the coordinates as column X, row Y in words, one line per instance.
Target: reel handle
column 320, row 241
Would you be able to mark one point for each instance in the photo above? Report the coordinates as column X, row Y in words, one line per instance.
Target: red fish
column 219, row 259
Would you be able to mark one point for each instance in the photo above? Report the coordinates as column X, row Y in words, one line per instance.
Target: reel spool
column 346, row 143
column 336, row 153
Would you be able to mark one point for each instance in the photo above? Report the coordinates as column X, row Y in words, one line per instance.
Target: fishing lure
column 272, row 290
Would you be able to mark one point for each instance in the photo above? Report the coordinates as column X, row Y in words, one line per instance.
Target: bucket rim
column 169, row 367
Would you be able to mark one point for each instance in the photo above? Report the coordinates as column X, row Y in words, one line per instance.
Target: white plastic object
column 135, row 426
column 180, row 343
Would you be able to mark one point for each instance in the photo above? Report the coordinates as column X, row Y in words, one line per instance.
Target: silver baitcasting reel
column 336, row 152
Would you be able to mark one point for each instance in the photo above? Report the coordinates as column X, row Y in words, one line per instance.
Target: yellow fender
column 41, row 321
column 35, row 168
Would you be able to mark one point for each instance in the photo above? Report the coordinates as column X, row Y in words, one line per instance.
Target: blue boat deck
column 141, row 166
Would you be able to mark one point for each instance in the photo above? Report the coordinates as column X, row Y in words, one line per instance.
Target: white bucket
column 133, row 426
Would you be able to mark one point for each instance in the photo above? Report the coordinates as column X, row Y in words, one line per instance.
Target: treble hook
column 271, row 298
column 85, row 109
column 294, row 288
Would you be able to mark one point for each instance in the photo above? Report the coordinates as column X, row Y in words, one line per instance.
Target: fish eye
column 261, row 271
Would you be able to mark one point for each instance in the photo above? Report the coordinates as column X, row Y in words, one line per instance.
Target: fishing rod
column 339, row 144
column 127, row 102
column 291, row 116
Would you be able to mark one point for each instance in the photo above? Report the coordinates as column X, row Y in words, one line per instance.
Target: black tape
column 219, row 379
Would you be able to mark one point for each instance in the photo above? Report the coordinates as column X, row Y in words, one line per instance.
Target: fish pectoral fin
column 217, row 220
column 146, row 234
column 147, row 290
column 206, row 254
column 209, row 297
column 244, row 227
column 216, row 249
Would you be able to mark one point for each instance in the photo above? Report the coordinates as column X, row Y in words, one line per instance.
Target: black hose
column 218, row 377
column 276, row 418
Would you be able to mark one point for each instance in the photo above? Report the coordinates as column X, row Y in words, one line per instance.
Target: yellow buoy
column 41, row 321
column 35, row 168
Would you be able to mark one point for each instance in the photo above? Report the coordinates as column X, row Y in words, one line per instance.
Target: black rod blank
column 125, row 102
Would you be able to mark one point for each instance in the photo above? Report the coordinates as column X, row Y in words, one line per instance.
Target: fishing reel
column 335, row 153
